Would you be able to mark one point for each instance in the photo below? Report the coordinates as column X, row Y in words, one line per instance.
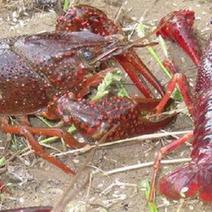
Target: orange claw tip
column 180, row 183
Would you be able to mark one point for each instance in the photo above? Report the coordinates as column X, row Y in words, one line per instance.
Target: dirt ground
column 34, row 182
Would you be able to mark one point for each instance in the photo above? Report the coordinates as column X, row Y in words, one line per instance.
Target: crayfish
column 49, row 74
column 195, row 177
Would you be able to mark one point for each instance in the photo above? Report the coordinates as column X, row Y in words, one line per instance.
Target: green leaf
column 145, row 185
column 140, row 29
column 122, row 91
column 48, row 140
column 72, row 129
column 163, row 46
column 2, row 161
column 110, row 79
column 47, row 123
column 153, row 53
column 66, row 5
column 141, row 33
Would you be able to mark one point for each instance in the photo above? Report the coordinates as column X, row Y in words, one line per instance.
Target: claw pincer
column 95, row 118
column 178, row 29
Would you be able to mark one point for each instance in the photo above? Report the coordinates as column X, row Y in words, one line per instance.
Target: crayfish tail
column 204, row 181
column 188, row 181
column 180, row 183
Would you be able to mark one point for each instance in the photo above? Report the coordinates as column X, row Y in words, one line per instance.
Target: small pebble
column 191, row 207
column 45, row 4
column 100, row 185
column 75, row 160
column 117, row 192
column 19, row 174
column 21, row 200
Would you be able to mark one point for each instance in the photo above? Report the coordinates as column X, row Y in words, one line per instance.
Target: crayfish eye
column 87, row 55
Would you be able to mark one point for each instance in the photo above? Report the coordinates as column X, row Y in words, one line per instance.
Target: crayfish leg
column 132, row 71
column 27, row 131
column 162, row 152
column 68, row 138
column 92, row 81
column 51, row 114
column 181, row 81
column 131, row 58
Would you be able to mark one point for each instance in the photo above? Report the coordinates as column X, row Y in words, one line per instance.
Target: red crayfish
column 195, row 177
column 35, row 71
column 41, row 73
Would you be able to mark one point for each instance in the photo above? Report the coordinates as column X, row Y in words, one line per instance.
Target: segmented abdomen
column 202, row 143
column 204, row 76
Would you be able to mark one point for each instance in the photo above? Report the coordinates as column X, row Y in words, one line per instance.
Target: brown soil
column 34, row 182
